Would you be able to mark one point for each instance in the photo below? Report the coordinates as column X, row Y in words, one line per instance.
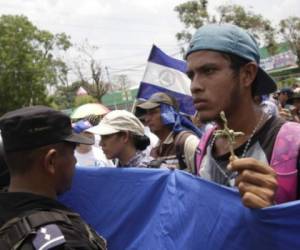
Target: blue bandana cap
column 231, row 39
column 177, row 122
column 81, row 126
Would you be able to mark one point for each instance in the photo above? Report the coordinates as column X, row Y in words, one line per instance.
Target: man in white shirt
column 89, row 155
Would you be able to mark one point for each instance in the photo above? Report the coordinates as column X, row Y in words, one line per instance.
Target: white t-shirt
column 153, row 142
column 94, row 157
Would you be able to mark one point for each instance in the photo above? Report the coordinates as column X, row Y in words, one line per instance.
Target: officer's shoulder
column 48, row 236
column 72, row 231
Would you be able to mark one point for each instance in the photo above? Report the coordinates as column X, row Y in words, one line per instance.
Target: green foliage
column 288, row 82
column 89, row 70
column 260, row 27
column 83, row 99
column 290, row 29
column 27, row 62
column 194, row 14
column 64, row 96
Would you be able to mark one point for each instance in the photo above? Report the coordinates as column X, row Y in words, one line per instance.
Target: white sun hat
column 117, row 121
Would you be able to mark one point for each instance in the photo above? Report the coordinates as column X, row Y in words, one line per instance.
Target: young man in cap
column 223, row 65
column 284, row 107
column 39, row 149
column 89, row 155
column 284, row 95
column 295, row 101
column 178, row 137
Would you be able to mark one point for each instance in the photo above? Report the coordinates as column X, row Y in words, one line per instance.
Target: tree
column 290, row 29
column 80, row 100
column 64, row 96
column 28, row 63
column 88, row 69
column 194, row 14
column 123, row 83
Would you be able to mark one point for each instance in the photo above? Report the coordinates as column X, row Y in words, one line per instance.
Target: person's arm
column 256, row 182
column 190, row 146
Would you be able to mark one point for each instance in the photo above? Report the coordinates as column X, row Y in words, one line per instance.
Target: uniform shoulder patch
column 47, row 237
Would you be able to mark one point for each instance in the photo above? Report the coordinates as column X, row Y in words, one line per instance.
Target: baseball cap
column 287, row 91
column 156, row 99
column 234, row 40
column 36, row 126
column 117, row 121
column 295, row 95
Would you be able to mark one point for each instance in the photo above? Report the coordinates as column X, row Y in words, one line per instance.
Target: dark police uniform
column 31, row 221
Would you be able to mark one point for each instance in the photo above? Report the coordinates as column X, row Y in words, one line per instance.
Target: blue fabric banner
column 161, row 209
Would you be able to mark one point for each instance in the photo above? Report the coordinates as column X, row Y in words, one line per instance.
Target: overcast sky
column 125, row 29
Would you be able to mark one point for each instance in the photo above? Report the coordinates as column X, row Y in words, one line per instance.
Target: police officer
column 4, row 174
column 39, row 149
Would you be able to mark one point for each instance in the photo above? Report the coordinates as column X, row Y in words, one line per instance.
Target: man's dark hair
column 20, row 162
column 236, row 63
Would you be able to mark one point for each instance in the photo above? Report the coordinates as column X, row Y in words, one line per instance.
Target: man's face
column 65, row 166
column 214, row 85
column 153, row 120
column 283, row 97
column 83, row 147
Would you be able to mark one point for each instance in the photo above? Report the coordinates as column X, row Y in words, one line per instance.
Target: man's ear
column 50, row 161
column 248, row 74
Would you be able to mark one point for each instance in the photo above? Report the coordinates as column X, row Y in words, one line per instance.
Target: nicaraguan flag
column 166, row 74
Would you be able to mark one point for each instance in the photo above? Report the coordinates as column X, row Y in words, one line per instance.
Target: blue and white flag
column 166, row 74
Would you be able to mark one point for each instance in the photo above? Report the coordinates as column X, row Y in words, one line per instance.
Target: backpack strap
column 201, row 149
column 284, row 161
column 179, row 147
column 99, row 241
column 16, row 230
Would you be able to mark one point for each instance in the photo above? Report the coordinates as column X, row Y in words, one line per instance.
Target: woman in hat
column 123, row 138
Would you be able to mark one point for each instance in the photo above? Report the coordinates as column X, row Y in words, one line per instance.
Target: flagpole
column 112, row 94
column 133, row 105
column 135, row 100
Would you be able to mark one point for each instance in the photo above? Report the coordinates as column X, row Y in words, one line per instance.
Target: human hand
column 295, row 116
column 256, row 182
column 286, row 114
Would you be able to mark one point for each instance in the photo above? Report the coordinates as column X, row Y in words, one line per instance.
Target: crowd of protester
column 40, row 143
column 164, row 122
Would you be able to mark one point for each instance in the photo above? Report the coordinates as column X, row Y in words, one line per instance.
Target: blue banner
column 161, row 209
